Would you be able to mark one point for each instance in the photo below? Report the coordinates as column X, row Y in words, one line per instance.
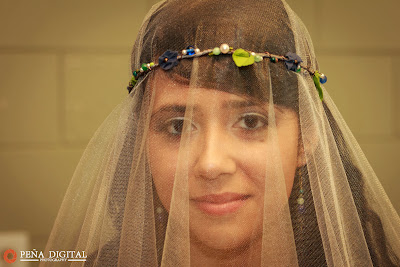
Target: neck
column 202, row 255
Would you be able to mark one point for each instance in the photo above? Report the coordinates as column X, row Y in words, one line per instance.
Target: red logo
column 14, row 256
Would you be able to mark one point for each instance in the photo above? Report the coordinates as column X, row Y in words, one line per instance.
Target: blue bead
column 301, row 208
column 323, row 78
column 190, row 52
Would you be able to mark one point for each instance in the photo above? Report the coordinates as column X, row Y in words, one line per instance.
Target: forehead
column 167, row 91
column 169, row 94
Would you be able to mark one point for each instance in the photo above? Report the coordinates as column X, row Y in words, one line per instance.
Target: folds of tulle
column 113, row 212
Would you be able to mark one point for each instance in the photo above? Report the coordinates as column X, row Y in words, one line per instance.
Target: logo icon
column 14, row 256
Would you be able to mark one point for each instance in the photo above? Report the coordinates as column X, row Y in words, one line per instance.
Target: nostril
column 214, row 155
column 212, row 166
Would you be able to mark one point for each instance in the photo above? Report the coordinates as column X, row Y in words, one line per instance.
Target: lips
column 220, row 204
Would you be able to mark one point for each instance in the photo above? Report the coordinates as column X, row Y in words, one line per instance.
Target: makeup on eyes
column 252, row 121
column 246, row 118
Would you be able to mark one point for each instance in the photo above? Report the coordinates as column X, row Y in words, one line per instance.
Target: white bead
column 184, row 52
column 197, row 50
column 224, row 48
column 253, row 54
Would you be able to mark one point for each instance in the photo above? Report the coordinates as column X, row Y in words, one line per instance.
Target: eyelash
column 258, row 118
column 170, row 128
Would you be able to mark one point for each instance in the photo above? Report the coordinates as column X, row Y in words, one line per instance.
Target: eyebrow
column 248, row 103
column 170, row 108
column 178, row 108
column 239, row 104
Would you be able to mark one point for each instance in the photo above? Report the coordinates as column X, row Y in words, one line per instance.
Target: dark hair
column 310, row 250
column 308, row 243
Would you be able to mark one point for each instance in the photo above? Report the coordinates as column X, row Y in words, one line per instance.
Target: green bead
column 301, row 191
column 300, row 201
column 298, row 68
column 216, row 51
column 144, row 66
column 133, row 81
column 258, row 58
column 273, row 59
column 135, row 73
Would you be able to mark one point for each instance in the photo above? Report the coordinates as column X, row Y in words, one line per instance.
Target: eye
column 252, row 121
column 174, row 126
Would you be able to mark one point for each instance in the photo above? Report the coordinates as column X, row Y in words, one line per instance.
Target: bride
column 228, row 151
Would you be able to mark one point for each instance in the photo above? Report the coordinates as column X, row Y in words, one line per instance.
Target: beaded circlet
column 241, row 57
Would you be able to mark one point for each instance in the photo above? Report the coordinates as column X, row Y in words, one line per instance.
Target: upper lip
column 221, row 198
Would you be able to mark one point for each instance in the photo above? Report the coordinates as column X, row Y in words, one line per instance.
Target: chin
column 225, row 234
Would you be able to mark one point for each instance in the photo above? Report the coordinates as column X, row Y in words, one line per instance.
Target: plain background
column 64, row 65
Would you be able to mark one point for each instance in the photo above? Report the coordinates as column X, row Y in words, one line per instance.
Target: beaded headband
column 241, row 57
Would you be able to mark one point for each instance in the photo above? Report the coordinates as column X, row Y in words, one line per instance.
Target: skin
column 229, row 150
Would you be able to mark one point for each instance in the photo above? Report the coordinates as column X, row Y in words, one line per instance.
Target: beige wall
column 64, row 65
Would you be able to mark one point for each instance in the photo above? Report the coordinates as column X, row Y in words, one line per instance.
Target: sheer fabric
column 209, row 164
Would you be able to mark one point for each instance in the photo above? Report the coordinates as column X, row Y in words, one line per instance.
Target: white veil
column 211, row 164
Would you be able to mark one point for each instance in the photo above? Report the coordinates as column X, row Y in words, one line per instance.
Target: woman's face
column 229, row 157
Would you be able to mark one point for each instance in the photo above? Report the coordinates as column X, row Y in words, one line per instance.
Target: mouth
column 220, row 204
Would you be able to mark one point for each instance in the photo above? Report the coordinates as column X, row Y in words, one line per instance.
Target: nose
column 215, row 155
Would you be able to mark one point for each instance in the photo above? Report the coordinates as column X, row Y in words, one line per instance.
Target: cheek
column 259, row 166
column 259, row 162
column 162, row 161
column 253, row 162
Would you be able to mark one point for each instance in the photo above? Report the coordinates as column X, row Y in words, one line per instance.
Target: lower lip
column 220, row 208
